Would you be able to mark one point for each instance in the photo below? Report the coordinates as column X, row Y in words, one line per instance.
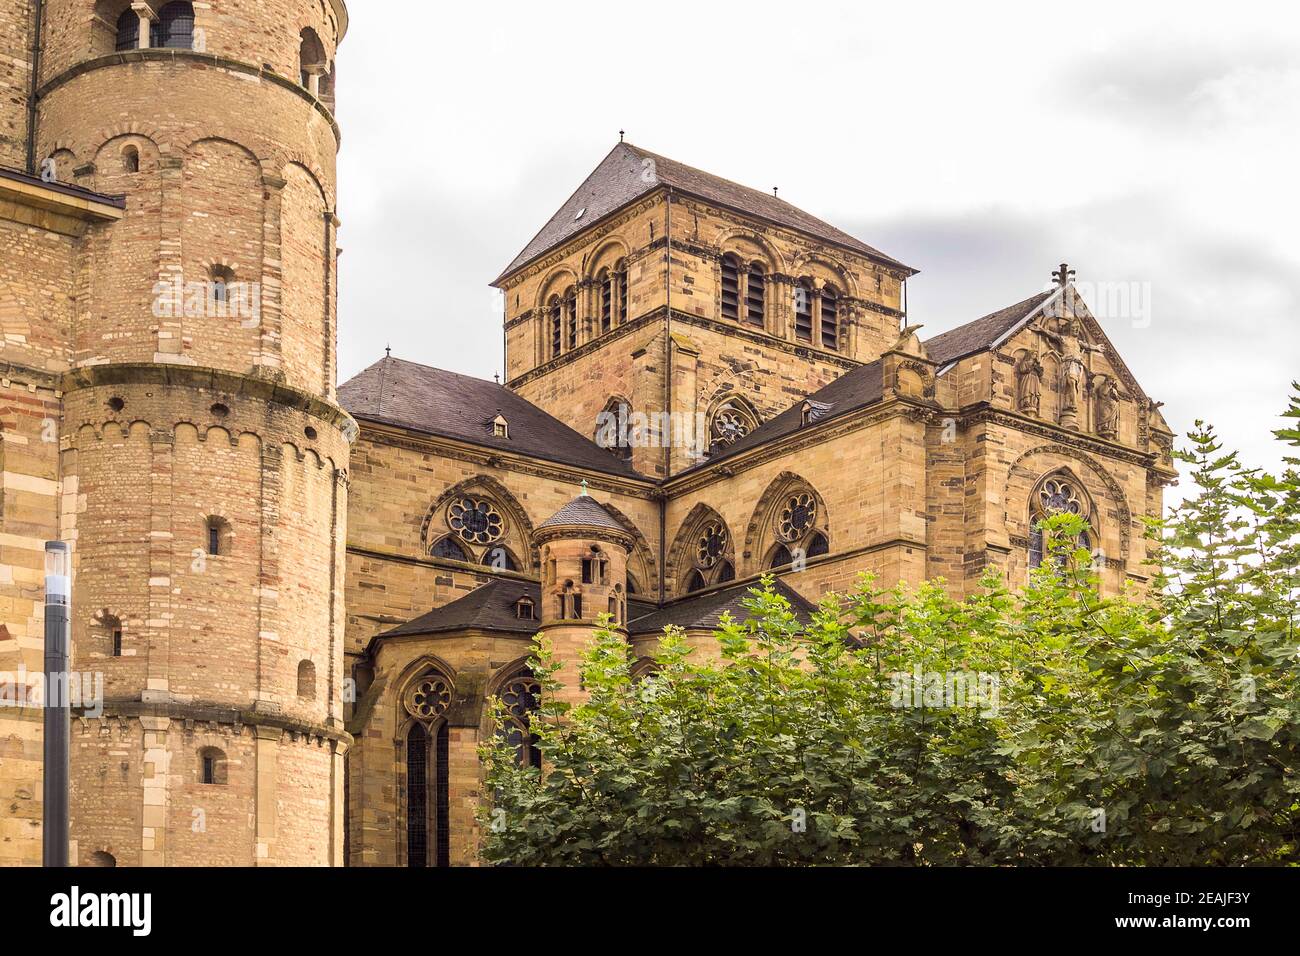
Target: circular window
column 475, row 520
column 797, row 516
column 428, row 697
column 712, row 546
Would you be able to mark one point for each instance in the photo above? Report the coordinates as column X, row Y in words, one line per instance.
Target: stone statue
column 1029, row 383
column 1069, row 343
column 1108, row 409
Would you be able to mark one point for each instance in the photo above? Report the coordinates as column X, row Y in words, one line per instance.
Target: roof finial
column 583, row 493
column 774, row 191
column 496, row 377
column 388, row 351
column 1063, row 275
column 620, row 136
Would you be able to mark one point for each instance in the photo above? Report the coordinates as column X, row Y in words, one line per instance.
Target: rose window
column 730, row 424
column 428, row 697
column 712, row 546
column 475, row 520
column 1057, row 497
column 797, row 516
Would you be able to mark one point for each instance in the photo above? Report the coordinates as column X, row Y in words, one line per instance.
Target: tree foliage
column 1154, row 728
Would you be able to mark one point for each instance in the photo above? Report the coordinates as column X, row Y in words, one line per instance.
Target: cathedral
column 302, row 600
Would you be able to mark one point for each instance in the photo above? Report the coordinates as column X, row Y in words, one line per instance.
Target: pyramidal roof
column 629, row 172
column 583, row 510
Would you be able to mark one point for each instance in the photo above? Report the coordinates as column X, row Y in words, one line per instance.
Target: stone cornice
column 159, row 54
column 60, row 208
column 397, row 436
column 983, row 413
column 233, row 383
column 206, row 712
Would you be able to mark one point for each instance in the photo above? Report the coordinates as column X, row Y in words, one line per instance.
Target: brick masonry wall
column 15, row 80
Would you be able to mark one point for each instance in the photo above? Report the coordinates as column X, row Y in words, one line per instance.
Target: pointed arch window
column 449, row 549
column 1056, row 494
column 756, row 295
column 613, row 431
column 803, row 314
column 521, row 695
column 711, row 557
column 730, row 287
column 798, row 527
column 428, row 830
column 830, row 317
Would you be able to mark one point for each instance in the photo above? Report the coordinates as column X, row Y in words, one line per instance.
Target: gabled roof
column 583, row 510
column 864, row 385
column 706, row 610
column 437, row 402
column 629, row 172
column 489, row 607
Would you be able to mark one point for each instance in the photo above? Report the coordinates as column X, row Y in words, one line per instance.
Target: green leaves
column 1053, row 726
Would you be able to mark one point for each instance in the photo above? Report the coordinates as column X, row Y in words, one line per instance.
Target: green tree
column 1049, row 726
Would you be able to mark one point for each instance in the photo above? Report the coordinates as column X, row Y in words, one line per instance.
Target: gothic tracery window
column 1057, row 494
column 732, row 421
column 521, row 696
column 795, row 528
column 711, row 557
column 428, row 829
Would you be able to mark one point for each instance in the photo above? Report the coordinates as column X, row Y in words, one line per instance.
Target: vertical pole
column 57, row 718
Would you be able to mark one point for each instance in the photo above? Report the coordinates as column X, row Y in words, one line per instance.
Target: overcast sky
column 1153, row 147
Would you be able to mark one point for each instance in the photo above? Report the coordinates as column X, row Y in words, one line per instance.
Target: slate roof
column 489, row 607
column 706, row 610
column 864, row 386
column 583, row 510
column 629, row 172
column 979, row 335
column 437, row 402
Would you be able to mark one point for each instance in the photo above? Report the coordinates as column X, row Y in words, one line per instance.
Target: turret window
column 128, row 31
column 174, row 28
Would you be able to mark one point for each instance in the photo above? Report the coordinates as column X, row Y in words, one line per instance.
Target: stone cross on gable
column 1063, row 275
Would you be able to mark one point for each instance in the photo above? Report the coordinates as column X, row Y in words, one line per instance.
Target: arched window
column 798, row 527
column 218, row 535
column 755, row 295
column 448, row 548
column 212, row 766
column 730, row 287
column 555, row 318
column 818, row 545
column 311, row 60
column 803, row 302
column 695, row 582
column 101, row 858
column 111, row 628
column 780, row 557
column 830, row 318
column 1056, row 494
column 174, row 28
column 521, row 695
column 711, row 557
column 426, row 700
column 632, row 586
column 130, row 160
column 306, row 680
column 128, row 31
column 605, row 282
column 620, row 275
column 220, row 281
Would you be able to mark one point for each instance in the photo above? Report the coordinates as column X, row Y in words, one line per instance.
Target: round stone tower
column 584, row 552
column 203, row 455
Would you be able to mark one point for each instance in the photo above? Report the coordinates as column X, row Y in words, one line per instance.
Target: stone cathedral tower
column 201, row 468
